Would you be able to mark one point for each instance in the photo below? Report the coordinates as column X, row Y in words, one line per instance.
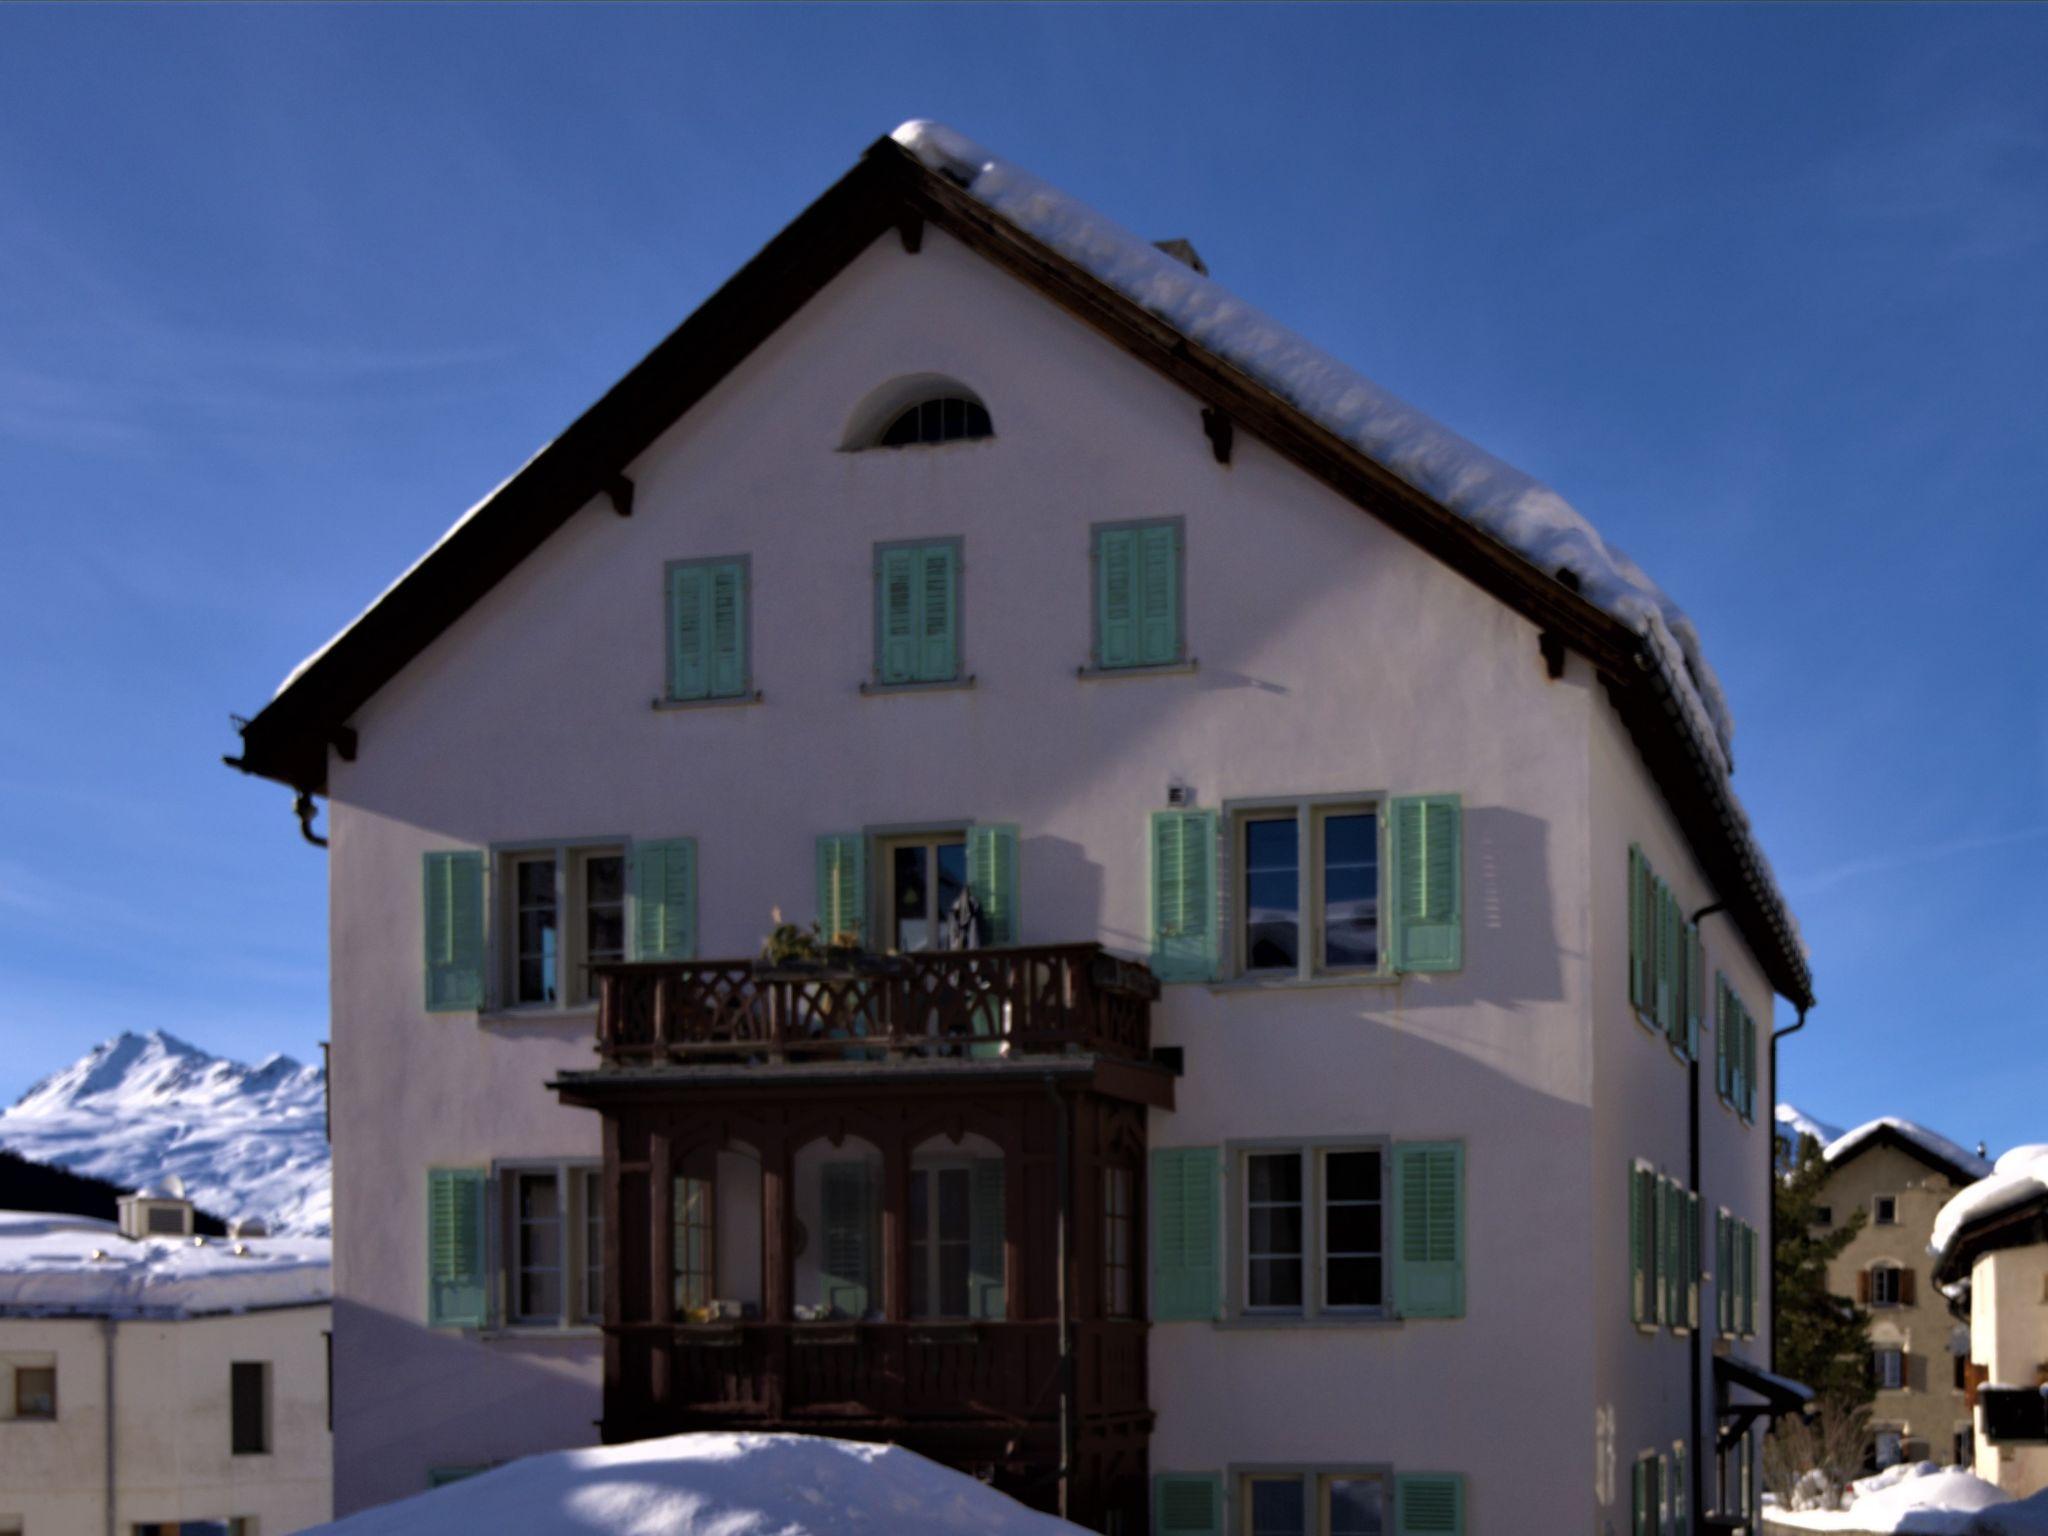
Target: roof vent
column 249, row 1226
column 160, row 1210
column 1183, row 253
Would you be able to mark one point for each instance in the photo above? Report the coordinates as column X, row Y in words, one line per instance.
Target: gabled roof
column 1916, row 1141
column 1504, row 532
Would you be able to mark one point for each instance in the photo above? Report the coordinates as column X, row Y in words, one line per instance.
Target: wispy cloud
column 1910, row 858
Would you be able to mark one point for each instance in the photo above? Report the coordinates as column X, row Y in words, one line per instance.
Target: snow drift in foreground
column 247, row 1141
column 1917, row 1499
column 713, row 1485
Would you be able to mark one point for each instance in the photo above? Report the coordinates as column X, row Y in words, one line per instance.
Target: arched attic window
column 921, row 410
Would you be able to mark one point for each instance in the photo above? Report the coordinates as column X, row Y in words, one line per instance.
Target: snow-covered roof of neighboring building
column 2017, row 1177
column 713, row 1485
column 53, row 1265
column 1932, row 1143
column 1794, row 1122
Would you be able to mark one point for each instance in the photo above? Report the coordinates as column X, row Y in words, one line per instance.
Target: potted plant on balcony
column 791, row 949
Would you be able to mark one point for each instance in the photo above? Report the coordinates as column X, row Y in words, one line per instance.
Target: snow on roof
column 713, row 1485
column 1794, row 1122
column 53, row 1265
column 1917, row 1497
column 1931, row 1142
column 2018, row 1176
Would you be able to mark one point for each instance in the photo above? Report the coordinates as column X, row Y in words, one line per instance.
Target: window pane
column 1356, row 1507
column 1272, row 894
column 1275, row 1175
column 604, row 887
column 952, row 859
column 1355, row 1283
column 1354, row 1229
column 1351, row 890
column 1278, row 1507
column 953, row 1280
column 912, row 896
column 954, row 1190
column 1352, row 1175
column 1276, row 1229
column 1275, row 1283
column 535, row 930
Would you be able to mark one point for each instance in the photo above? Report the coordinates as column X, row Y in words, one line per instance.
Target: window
column 238, row 1525
column 1308, row 890
column 1119, row 1242
column 942, row 419
column 1824, row 1215
column 922, row 877
column 1886, row 1213
column 917, row 613
column 1314, row 1231
column 1315, row 1504
column 707, row 630
column 1648, row 1496
column 1138, row 596
column 1885, row 1288
column 693, row 1235
column 1888, row 1450
column 564, row 911
column 35, row 1391
column 249, row 1407
column 1888, row 1367
column 1962, row 1374
column 553, row 1248
column 957, row 1261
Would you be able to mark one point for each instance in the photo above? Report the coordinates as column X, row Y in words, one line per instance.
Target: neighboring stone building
column 1900, row 1175
column 157, row 1380
column 1298, row 982
column 1991, row 1247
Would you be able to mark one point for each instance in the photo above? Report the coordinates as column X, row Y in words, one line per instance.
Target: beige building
column 1991, row 1247
column 163, row 1383
column 1900, row 1175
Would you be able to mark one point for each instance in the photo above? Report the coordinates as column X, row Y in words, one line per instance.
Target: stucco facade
column 2009, row 1346
column 170, row 1456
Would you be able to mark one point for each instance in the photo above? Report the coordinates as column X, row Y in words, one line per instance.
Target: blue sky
column 283, row 290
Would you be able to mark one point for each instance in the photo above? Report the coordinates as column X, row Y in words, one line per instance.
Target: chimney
column 1183, row 253
column 156, row 1210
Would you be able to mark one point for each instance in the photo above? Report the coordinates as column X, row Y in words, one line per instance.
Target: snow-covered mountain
column 247, row 1141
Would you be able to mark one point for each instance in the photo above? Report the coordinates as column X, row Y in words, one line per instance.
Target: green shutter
column 1429, row 1504
column 1724, row 1275
column 1641, row 1249
column 665, row 899
column 842, row 886
column 1638, row 921
column 1158, row 595
column 1186, row 1261
column 917, row 613
column 847, row 1198
column 938, row 643
column 986, row 1291
column 1639, row 1524
column 1187, row 1504
column 1184, row 939
column 1692, row 1260
column 1429, row 1229
column 1428, row 901
column 1749, row 1071
column 1681, row 1489
column 1660, row 1194
column 1695, row 989
column 1723, row 1070
column 728, row 648
column 453, row 906
column 689, row 637
column 456, row 1284
column 1116, row 597
column 992, row 876
column 1749, row 1278
column 896, row 572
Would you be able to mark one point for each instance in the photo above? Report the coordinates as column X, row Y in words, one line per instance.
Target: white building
column 1346, row 1109
column 154, row 1381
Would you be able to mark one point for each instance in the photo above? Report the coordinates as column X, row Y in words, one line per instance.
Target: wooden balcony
column 987, row 1004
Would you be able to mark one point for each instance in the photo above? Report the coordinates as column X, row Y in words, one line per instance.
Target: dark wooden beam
column 620, row 490
column 1217, row 425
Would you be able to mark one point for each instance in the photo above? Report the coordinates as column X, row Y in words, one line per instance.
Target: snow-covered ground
column 713, row 1485
column 75, row 1264
column 1918, row 1499
column 247, row 1140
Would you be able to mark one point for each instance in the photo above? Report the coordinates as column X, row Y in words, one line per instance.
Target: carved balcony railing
column 978, row 1004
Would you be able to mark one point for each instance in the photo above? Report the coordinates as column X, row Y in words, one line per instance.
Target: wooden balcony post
column 777, row 1217
column 895, row 1228
column 661, row 1254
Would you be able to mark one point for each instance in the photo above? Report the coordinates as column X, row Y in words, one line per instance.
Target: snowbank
column 57, row 1265
column 2016, row 1177
column 1917, row 1498
column 713, row 1485
column 2023, row 1517
column 1932, row 1142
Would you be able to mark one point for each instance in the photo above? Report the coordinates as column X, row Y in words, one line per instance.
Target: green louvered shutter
column 1724, row 1275
column 728, row 613
column 453, row 907
column 1681, row 1509
column 896, row 614
column 1749, row 1278
column 1429, row 1504
column 1186, row 1262
column 938, row 628
column 1695, row 989
column 1428, row 866
column 992, row 876
column 1116, row 597
column 847, row 1199
column 1158, row 595
column 1184, row 939
column 1641, row 1218
column 1660, row 1196
column 1187, row 1504
column 986, row 1290
column 1723, row 1072
column 456, row 1284
column 1692, row 1260
column 1663, row 913
column 1749, row 1070
column 665, row 899
column 1429, row 1229
column 842, row 886
column 689, row 632
column 1638, row 923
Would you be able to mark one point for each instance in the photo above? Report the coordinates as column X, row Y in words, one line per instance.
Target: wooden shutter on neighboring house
column 987, row 1293
column 992, row 876
column 1429, row 1229
column 1184, row 937
column 1186, row 1261
column 1187, row 1504
column 1428, row 900
column 842, row 886
column 457, row 1288
column 453, row 906
column 1906, row 1288
column 1429, row 1504
column 665, row 899
column 847, row 1198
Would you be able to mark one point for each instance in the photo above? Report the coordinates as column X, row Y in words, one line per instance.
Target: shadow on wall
column 1060, row 867
column 482, row 1402
column 1513, row 954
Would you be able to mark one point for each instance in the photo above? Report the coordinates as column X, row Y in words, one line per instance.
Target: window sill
column 1306, row 983
column 737, row 701
column 1253, row 1323
column 577, row 1013
column 949, row 685
column 1091, row 674
column 516, row 1331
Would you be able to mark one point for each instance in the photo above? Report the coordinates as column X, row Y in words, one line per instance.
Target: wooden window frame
column 575, row 1179
column 1314, row 1308
column 1122, row 1285
column 1877, row 1210
column 702, row 1170
column 571, row 856
column 1315, row 1479
column 1880, row 1353
column 19, row 1414
column 881, row 897
column 932, row 1166
column 1311, row 813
